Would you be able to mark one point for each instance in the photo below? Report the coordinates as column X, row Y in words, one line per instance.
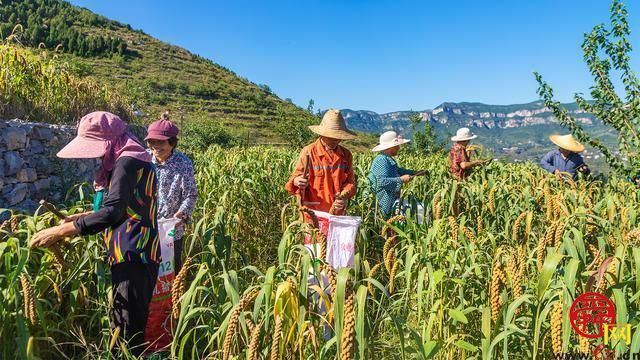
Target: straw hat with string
column 333, row 126
column 567, row 142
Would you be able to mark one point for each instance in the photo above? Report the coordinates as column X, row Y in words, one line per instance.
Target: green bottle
column 97, row 200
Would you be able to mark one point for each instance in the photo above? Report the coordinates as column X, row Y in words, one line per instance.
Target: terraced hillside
column 154, row 75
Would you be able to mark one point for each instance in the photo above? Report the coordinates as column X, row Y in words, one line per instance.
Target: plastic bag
column 411, row 208
column 158, row 330
column 341, row 234
column 342, row 240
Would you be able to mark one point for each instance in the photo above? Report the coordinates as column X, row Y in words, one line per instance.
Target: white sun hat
column 388, row 140
column 464, row 134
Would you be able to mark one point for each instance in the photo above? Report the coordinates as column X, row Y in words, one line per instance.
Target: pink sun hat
column 94, row 131
column 162, row 129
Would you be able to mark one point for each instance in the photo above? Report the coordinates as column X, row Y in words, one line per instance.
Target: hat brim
column 83, row 148
column 572, row 146
column 156, row 137
column 334, row 134
column 381, row 147
column 455, row 138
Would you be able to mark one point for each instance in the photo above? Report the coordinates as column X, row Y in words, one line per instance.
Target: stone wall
column 29, row 168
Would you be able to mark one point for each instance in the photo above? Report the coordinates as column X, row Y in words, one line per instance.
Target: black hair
column 173, row 141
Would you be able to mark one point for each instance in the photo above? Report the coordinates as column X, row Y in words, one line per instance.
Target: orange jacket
column 329, row 173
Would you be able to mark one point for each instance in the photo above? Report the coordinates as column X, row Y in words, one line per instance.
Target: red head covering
column 162, row 129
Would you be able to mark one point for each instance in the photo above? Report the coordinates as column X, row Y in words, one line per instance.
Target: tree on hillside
column 310, row 106
column 606, row 50
column 292, row 129
column 425, row 141
column 266, row 88
column 54, row 23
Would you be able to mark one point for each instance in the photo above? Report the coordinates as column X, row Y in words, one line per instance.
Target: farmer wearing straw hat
column 565, row 159
column 386, row 177
column 323, row 177
column 459, row 163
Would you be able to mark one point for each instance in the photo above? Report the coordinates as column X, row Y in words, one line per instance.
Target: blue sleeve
column 547, row 162
column 379, row 176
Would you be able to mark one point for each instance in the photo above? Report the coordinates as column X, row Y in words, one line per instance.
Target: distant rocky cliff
column 515, row 132
column 455, row 115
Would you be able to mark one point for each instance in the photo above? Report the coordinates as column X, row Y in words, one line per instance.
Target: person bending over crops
column 323, row 177
column 460, row 165
column 565, row 159
column 177, row 193
column 128, row 217
column 386, row 177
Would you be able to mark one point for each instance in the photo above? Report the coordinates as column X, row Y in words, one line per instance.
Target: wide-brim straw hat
column 388, row 140
column 333, row 126
column 567, row 142
column 464, row 134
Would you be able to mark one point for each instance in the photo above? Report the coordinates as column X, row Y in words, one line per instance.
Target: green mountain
column 153, row 75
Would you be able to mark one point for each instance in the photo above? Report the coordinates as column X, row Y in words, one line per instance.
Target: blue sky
column 383, row 55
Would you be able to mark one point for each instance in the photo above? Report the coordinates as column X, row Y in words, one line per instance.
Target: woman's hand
column 301, row 182
column 180, row 215
column 584, row 169
column 339, row 204
column 406, row 178
column 46, row 237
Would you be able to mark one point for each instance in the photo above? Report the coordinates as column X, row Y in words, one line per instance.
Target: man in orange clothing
column 325, row 168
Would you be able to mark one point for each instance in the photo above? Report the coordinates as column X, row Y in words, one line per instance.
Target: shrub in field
column 200, row 133
column 34, row 86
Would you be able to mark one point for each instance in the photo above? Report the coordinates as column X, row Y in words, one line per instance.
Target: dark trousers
column 177, row 255
column 133, row 285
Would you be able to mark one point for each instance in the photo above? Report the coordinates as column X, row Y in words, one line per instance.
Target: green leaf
column 437, row 276
column 570, row 272
column 458, row 316
column 486, row 322
column 431, row 348
column 339, row 302
column 548, row 269
column 465, row 346
column 361, row 320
